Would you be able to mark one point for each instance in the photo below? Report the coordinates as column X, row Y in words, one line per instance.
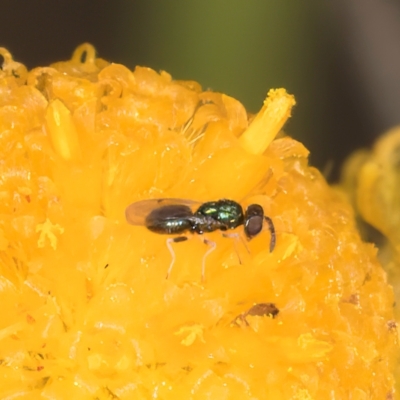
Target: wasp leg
column 242, row 319
column 210, row 250
column 236, row 237
column 271, row 228
column 171, row 250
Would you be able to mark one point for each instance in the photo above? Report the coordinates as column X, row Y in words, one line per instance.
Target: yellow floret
column 87, row 312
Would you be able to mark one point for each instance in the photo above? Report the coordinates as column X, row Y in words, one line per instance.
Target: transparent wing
column 137, row 212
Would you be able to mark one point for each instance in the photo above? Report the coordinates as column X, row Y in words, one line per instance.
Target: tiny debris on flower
column 48, row 231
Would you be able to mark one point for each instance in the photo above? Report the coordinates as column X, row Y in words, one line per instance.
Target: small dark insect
column 260, row 310
column 392, row 325
column 178, row 216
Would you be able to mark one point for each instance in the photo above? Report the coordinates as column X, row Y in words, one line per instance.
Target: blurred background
column 340, row 58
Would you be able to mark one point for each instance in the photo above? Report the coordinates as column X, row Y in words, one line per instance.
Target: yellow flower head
column 87, row 311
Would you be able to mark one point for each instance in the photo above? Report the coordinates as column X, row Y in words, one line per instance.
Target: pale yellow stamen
column 193, row 332
column 316, row 348
column 48, row 230
column 268, row 122
column 62, row 131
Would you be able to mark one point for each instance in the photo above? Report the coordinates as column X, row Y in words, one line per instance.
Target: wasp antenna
column 271, row 228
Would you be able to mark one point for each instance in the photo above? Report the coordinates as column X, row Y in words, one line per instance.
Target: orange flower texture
column 159, row 242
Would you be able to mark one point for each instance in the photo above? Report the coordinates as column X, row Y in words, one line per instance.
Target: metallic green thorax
column 227, row 212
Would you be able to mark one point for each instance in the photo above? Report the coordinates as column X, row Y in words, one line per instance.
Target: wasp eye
column 253, row 220
column 253, row 226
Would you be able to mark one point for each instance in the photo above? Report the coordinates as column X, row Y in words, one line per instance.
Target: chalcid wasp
column 178, row 216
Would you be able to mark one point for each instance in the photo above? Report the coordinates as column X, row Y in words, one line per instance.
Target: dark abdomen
column 171, row 219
